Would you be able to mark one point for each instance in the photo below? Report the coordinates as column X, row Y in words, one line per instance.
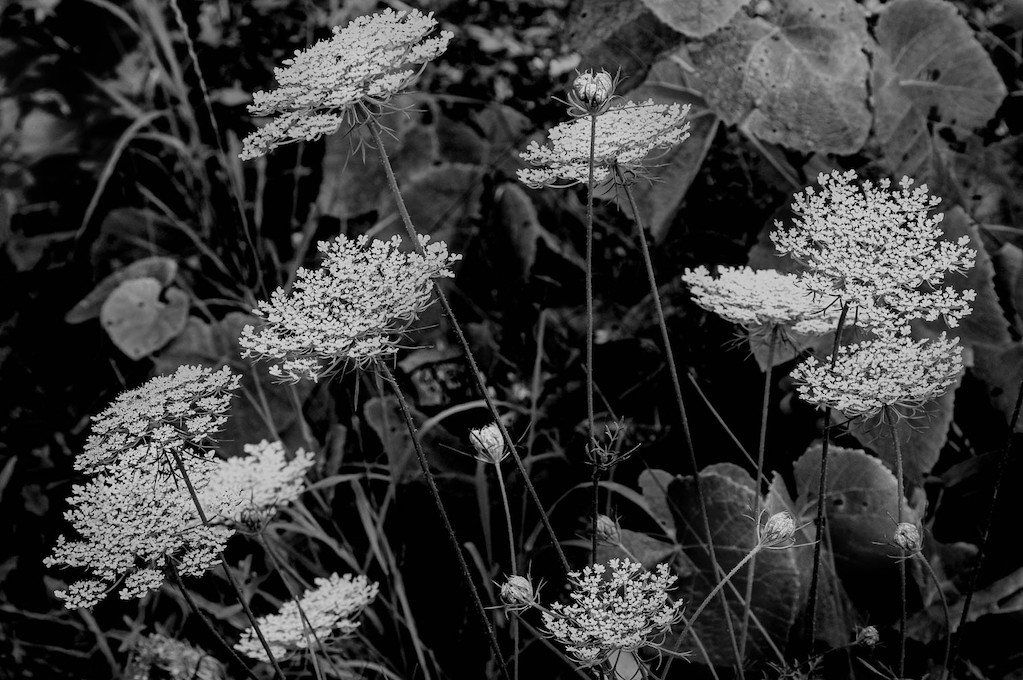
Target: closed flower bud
column 868, row 637
column 594, row 90
column 489, row 444
column 517, row 592
column 778, row 531
column 907, row 537
column 607, row 530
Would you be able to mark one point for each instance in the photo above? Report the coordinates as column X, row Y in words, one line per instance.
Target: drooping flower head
column 352, row 310
column 330, row 609
column 625, row 136
column 158, row 657
column 761, row 299
column 891, row 371
column 878, row 249
column 363, row 64
column 178, row 412
column 488, row 444
column 623, row 613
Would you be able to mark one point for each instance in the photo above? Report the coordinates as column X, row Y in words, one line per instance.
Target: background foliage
column 135, row 241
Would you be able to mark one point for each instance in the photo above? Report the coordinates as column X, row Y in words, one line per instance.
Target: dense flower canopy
column 159, row 657
column 351, row 310
column 367, row 62
column 625, row 136
column 877, row 249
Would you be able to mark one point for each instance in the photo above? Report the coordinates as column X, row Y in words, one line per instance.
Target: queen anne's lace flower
column 168, row 413
column 877, row 249
column 353, row 309
column 765, row 298
column 889, row 371
column 366, row 62
column 629, row 610
column 330, row 610
column 625, row 135
column 250, row 488
column 158, row 657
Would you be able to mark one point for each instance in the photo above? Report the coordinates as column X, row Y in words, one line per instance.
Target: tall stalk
column 1003, row 463
column 431, row 483
column 822, row 490
column 757, row 501
column 676, row 385
column 889, row 415
column 513, row 561
column 413, row 235
column 591, row 429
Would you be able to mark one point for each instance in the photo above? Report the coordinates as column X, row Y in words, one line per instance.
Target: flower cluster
column 758, row 299
column 173, row 412
column 351, row 310
column 625, row 135
column 365, row 63
column 328, row 609
column 624, row 612
column 885, row 372
column 250, row 489
column 877, row 249
column 158, row 656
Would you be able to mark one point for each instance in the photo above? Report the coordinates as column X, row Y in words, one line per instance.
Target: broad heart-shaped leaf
column 654, row 485
column 796, row 77
column 922, row 434
column 137, row 321
column 780, row 577
column 1001, row 369
column 215, row 345
column 695, row 18
column 618, row 33
column 861, row 507
column 660, row 198
column 987, row 324
column 163, row 269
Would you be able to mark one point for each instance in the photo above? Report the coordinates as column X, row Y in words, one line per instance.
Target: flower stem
column 594, row 513
column 374, row 127
column 889, row 415
column 591, row 428
column 757, row 500
column 172, row 568
column 1003, row 463
column 278, row 673
column 721, row 584
column 673, row 372
column 944, row 607
column 822, row 490
column 432, row 484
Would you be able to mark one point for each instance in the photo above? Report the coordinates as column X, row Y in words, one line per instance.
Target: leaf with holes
column 695, row 18
column 138, row 321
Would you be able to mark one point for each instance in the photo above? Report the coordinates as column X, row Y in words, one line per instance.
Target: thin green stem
column 590, row 420
column 593, row 514
column 374, row 128
column 822, row 491
column 1003, row 463
column 431, row 483
column 513, row 561
column 172, row 568
column 227, row 570
column 676, row 385
column 944, row 608
column 721, row 584
column 757, row 498
column 889, row 415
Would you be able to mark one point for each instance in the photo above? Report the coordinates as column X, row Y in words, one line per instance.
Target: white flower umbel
column 321, row 88
column 889, row 371
column 878, row 249
column 623, row 613
column 331, row 608
column 625, row 136
column 759, row 299
column 132, row 516
column 251, row 488
column 160, row 657
column 352, row 310
column 177, row 412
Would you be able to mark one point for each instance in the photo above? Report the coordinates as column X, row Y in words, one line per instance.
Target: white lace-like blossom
column 878, row 249
column 625, row 136
column 889, row 371
column 158, row 657
column 765, row 298
column 367, row 62
column 353, row 309
column 251, row 488
column 330, row 610
column 623, row 613
column 175, row 412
